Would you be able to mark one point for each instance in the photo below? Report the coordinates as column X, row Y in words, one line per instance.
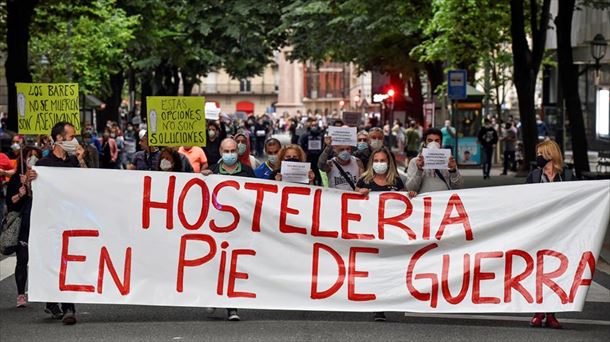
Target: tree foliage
column 84, row 42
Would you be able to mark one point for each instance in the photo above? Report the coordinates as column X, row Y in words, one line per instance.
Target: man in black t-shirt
column 67, row 152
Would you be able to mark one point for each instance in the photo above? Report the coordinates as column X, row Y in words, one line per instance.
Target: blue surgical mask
column 241, row 149
column 362, row 146
column 344, row 155
column 229, row 158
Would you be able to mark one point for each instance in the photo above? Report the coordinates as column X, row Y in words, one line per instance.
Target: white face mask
column 69, row 146
column 32, row 161
column 376, row 143
column 272, row 158
column 433, row 145
column 165, row 165
column 380, row 167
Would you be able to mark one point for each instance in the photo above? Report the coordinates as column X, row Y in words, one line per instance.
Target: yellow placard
column 176, row 120
column 42, row 105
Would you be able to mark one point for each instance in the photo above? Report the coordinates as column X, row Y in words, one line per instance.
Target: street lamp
column 598, row 49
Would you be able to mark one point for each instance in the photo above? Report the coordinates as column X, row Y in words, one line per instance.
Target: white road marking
column 7, row 267
column 504, row 318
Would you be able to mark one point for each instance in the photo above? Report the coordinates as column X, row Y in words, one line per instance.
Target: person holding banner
column 229, row 164
column 19, row 195
column 344, row 169
column 272, row 149
column 550, row 169
column 420, row 180
column 381, row 175
column 291, row 153
column 66, row 153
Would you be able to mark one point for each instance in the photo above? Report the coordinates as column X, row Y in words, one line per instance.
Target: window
column 602, row 122
column 245, row 85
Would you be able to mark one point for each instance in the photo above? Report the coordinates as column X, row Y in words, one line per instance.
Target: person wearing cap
column 147, row 158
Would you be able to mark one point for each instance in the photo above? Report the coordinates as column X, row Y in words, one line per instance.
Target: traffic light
column 391, row 92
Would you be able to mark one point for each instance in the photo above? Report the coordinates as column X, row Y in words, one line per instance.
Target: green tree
column 470, row 35
column 376, row 36
column 182, row 40
column 87, row 49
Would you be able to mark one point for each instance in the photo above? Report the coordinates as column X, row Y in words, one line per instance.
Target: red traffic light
column 391, row 92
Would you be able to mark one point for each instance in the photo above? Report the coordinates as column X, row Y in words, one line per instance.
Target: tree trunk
column 568, row 78
column 415, row 92
column 111, row 112
column 147, row 90
column 18, row 18
column 526, row 66
column 187, row 83
column 436, row 75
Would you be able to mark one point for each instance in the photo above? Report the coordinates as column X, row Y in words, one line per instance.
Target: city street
column 150, row 323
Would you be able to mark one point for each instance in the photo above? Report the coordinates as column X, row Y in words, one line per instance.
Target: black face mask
column 292, row 160
column 541, row 162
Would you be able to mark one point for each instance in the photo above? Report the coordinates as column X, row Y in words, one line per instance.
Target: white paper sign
column 436, row 158
column 343, row 135
column 180, row 239
column 295, row 172
column 314, row 144
column 211, row 111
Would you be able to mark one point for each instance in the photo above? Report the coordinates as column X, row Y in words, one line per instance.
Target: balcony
column 238, row 89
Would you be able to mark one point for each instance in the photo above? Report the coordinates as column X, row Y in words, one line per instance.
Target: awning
column 245, row 106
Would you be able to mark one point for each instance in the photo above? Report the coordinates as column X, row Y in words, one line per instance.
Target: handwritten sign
column 343, row 135
column 352, row 119
column 176, row 120
column 41, row 105
column 436, row 158
column 295, row 172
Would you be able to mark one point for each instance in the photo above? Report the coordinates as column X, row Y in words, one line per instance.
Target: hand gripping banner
column 175, row 239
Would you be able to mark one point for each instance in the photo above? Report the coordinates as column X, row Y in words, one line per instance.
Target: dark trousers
column 64, row 306
column 486, row 159
column 509, row 161
column 21, row 269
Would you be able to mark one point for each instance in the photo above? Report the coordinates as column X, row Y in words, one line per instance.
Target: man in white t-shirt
column 344, row 169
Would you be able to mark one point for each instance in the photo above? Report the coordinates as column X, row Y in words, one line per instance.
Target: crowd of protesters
column 247, row 148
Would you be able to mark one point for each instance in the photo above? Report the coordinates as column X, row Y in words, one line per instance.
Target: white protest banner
column 177, row 239
column 211, row 111
column 436, row 158
column 295, row 172
column 343, row 135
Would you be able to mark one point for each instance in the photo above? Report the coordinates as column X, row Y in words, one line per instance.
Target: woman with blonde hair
column 381, row 175
column 290, row 153
column 550, row 169
column 550, row 165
